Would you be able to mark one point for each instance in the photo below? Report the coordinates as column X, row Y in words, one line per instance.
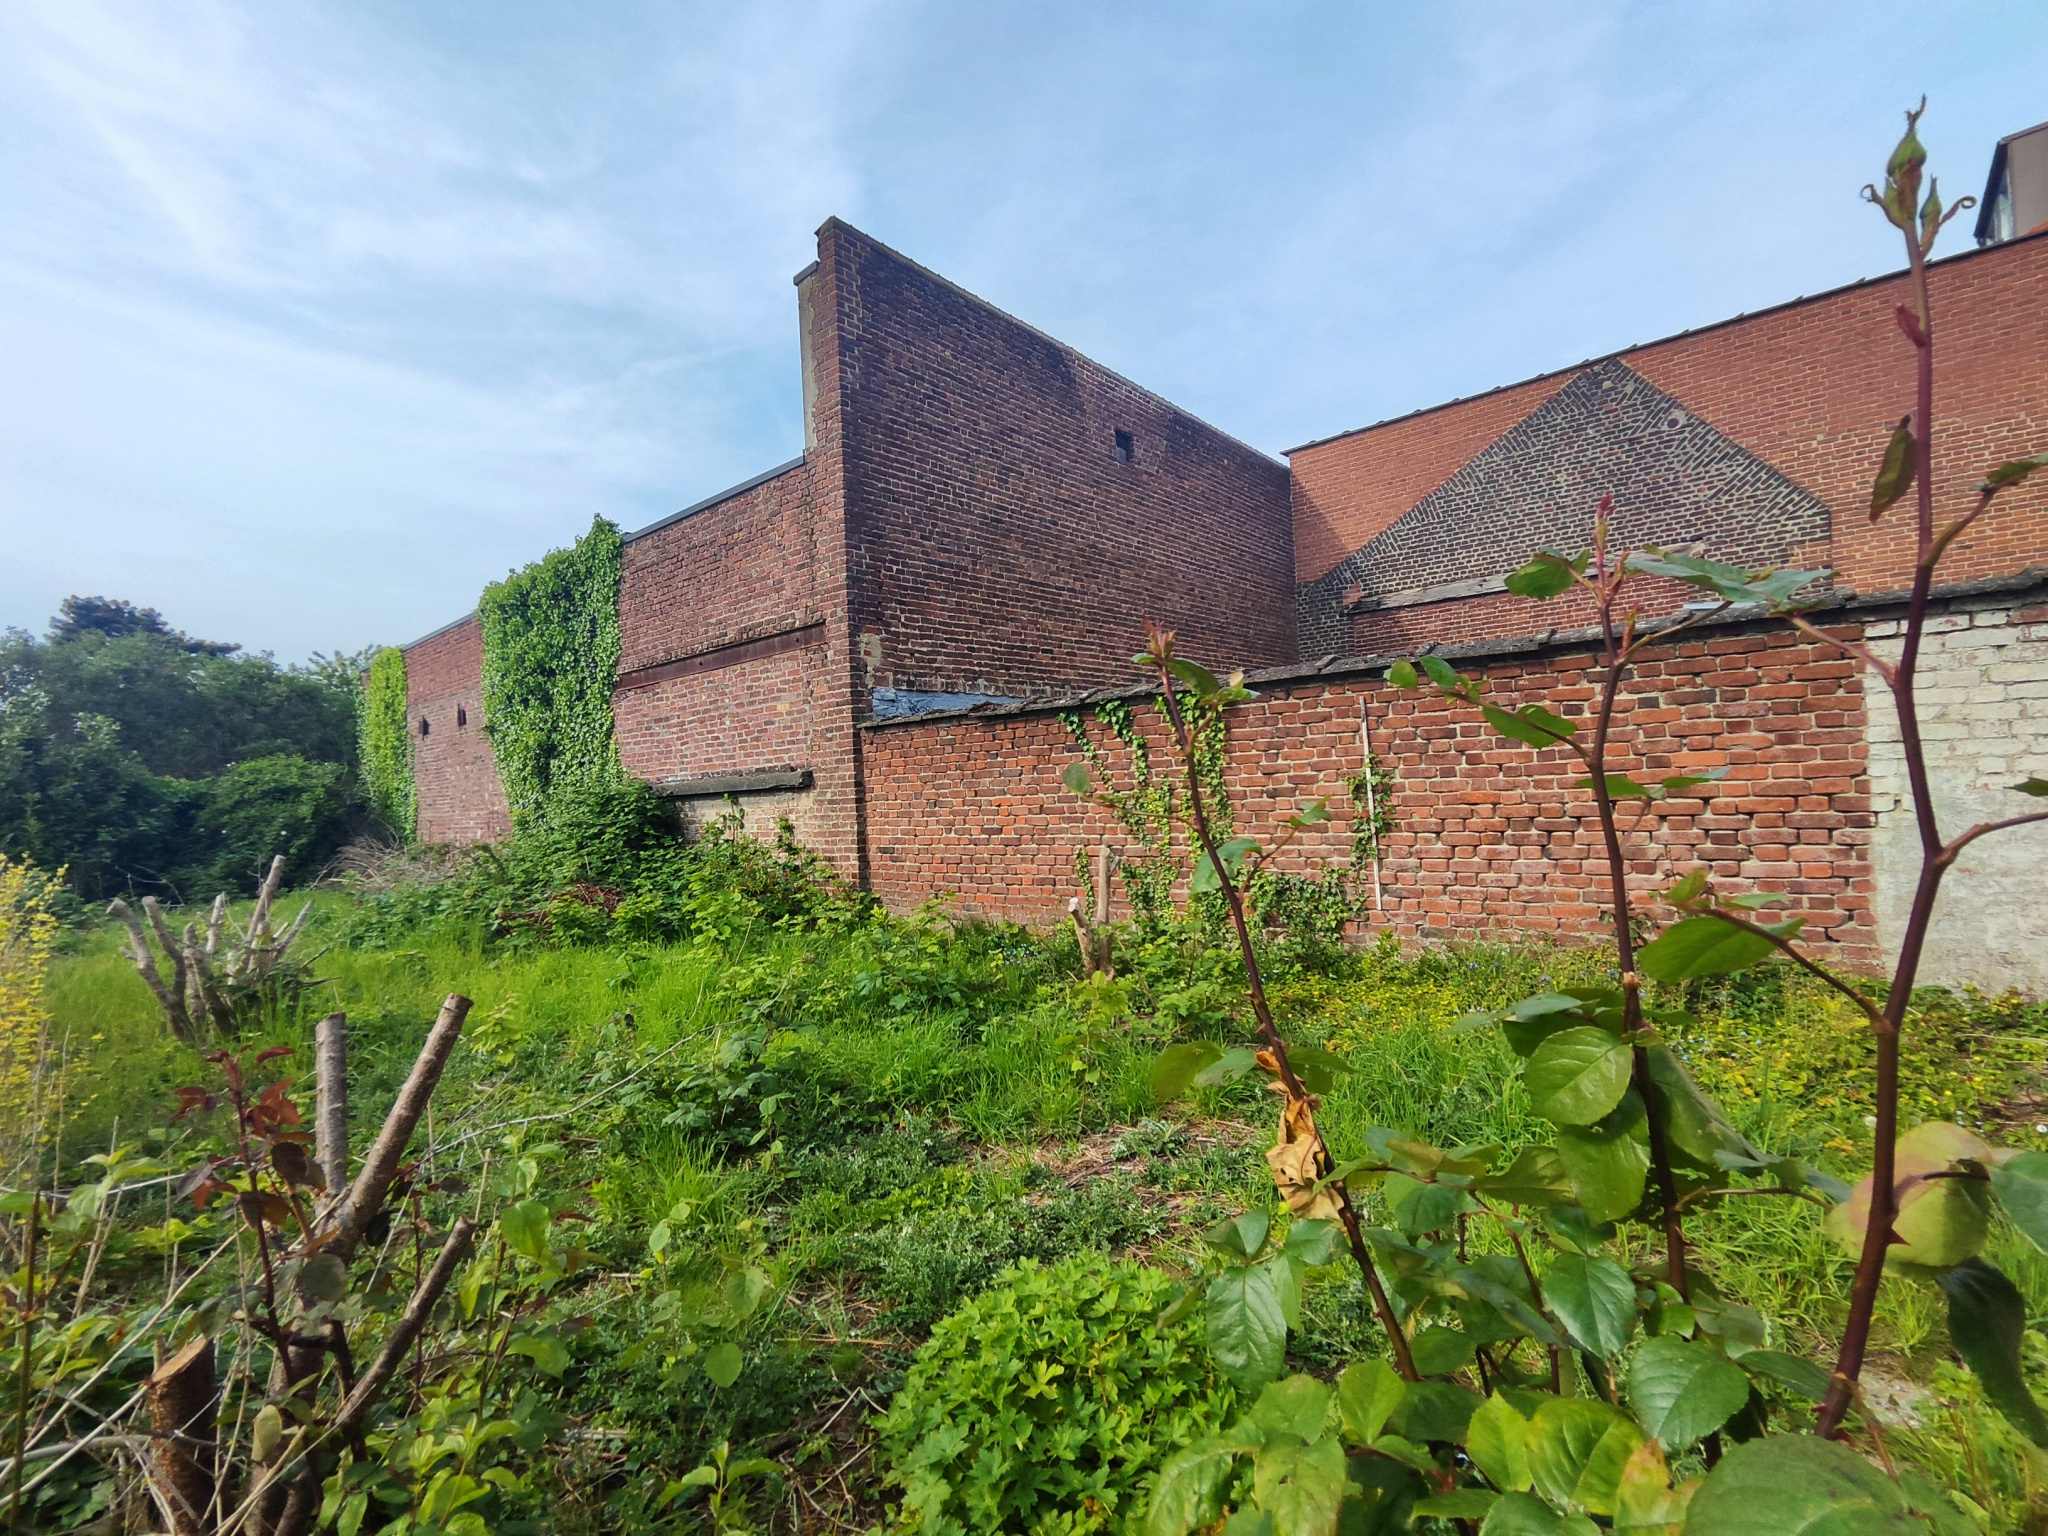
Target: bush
column 1044, row 1404
column 281, row 804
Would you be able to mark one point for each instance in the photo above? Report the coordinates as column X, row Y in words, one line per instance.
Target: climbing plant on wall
column 551, row 657
column 386, row 744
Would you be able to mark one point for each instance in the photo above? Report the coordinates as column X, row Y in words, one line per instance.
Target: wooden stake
column 330, row 1115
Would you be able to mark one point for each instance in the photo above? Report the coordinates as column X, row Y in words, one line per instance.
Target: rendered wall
column 995, row 542
column 460, row 797
column 1983, row 706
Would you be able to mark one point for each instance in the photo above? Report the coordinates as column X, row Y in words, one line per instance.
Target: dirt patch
column 1132, row 1149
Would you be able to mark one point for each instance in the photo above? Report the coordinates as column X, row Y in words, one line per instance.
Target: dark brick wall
column 460, row 797
column 997, row 544
column 740, row 569
column 1488, row 837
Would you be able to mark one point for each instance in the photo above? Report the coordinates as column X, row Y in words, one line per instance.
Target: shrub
column 1045, row 1404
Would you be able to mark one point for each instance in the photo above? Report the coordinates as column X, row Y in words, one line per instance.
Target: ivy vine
column 551, row 659
column 1373, row 816
column 385, row 744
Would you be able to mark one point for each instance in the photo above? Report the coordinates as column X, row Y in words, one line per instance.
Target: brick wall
column 744, row 567
column 1811, row 389
column 996, row 543
column 1488, row 836
column 460, row 797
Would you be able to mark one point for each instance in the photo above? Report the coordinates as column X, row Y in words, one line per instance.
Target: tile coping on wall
column 1550, row 642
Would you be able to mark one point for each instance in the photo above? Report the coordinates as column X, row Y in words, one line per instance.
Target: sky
column 315, row 318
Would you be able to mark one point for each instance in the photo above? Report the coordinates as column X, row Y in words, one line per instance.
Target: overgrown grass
column 885, row 1112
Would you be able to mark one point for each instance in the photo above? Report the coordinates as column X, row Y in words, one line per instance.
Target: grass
column 887, row 1114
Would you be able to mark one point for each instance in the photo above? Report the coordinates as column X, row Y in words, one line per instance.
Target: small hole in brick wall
column 1126, row 448
column 461, row 717
column 423, row 725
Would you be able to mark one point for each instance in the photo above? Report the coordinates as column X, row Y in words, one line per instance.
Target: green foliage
column 139, row 757
column 551, row 656
column 386, row 745
column 1046, row 1403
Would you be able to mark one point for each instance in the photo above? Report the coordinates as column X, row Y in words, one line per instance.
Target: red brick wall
column 1489, row 836
column 996, row 543
column 1813, row 388
column 744, row 568
column 1350, row 488
column 1816, row 388
column 460, row 797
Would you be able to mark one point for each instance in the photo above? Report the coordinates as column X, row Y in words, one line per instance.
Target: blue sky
column 314, row 318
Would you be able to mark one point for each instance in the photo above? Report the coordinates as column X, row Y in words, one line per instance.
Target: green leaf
column 1895, row 473
column 1227, row 1068
column 525, row 1229
column 722, row 1363
column 1606, row 1164
column 1619, row 787
column 745, row 1290
column 1458, row 1504
column 1523, row 1514
column 1578, row 1075
column 1532, row 723
column 1793, row 1372
column 1578, row 1449
column 1200, row 680
column 324, row 1277
column 1317, row 1068
column 1546, row 575
column 1367, row 1393
column 1797, row 1485
column 1240, row 1236
column 1536, row 1177
column 1574, row 1231
column 1301, row 1487
column 1247, row 1326
column 1682, row 1391
column 266, row 1432
column 1078, row 780
column 1769, row 588
column 1595, row 1299
column 1695, row 1123
column 1178, row 1066
column 1232, row 855
column 551, row 1355
column 1189, row 1493
column 1402, row 674
column 1497, row 1441
column 2014, row 472
column 1940, row 1221
column 1701, row 946
column 1421, row 1207
column 1434, row 1410
column 2035, row 786
column 1313, row 1242
column 1296, row 1406
column 1441, row 672
column 1987, row 1318
column 1248, row 1522
column 1440, row 1351
column 2021, row 1184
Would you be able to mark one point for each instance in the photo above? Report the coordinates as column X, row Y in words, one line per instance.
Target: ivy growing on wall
column 1148, row 810
column 551, row 658
column 385, row 743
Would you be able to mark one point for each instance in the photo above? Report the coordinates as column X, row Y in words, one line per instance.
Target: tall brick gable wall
column 996, row 543
column 1809, row 390
column 461, row 799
